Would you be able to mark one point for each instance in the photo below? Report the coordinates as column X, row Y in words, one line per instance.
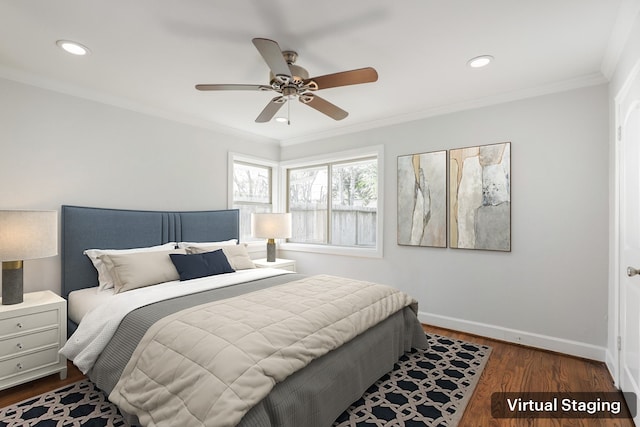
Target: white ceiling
column 147, row 55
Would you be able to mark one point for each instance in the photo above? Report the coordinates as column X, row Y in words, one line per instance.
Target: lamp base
column 12, row 286
column 271, row 250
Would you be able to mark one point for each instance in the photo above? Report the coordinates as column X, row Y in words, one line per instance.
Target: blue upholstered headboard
column 86, row 228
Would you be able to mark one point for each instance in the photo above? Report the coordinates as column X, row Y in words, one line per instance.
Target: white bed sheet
column 99, row 324
column 82, row 301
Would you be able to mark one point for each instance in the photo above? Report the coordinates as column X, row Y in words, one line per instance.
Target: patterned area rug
column 78, row 404
column 426, row 388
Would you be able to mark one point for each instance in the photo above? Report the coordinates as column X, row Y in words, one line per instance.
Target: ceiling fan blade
column 345, row 78
column 271, row 109
column 232, row 87
column 272, row 54
column 322, row 105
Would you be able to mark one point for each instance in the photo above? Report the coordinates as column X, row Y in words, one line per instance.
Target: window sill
column 332, row 250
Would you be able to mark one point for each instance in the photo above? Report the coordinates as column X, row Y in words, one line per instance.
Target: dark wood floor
column 25, row 391
column 516, row 368
column 510, row 368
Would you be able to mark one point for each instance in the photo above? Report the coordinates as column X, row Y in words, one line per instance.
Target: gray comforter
column 313, row 396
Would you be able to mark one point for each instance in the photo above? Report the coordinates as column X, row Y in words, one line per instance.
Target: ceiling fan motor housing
column 298, row 75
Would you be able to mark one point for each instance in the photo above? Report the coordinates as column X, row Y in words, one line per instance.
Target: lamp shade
column 28, row 235
column 271, row 225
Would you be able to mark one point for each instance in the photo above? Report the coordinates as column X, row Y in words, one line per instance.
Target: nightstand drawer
column 17, row 324
column 21, row 364
column 281, row 263
column 29, row 342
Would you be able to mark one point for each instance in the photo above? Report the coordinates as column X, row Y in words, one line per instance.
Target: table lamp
column 24, row 235
column 271, row 226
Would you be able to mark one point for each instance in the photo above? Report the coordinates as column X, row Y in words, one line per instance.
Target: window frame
column 233, row 158
column 333, row 158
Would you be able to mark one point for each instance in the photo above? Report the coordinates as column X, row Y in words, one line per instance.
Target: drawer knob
column 19, row 325
column 19, row 345
column 19, row 366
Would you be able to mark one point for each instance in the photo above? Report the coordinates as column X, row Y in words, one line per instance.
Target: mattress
column 83, row 301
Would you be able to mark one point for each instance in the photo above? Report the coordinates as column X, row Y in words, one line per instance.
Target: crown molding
column 45, row 83
column 72, row 90
column 562, row 86
column 627, row 15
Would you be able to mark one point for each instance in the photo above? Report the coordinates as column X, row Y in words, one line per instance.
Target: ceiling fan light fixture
column 73, row 48
column 281, row 119
column 480, row 61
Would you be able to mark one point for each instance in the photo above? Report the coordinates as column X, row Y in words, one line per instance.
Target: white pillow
column 105, row 281
column 237, row 255
column 140, row 269
column 214, row 245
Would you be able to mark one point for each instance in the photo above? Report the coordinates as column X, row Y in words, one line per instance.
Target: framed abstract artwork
column 480, row 197
column 422, row 199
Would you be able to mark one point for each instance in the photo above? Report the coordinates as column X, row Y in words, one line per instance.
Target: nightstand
column 31, row 333
column 281, row 263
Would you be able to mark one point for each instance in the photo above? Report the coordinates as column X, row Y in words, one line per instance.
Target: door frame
column 616, row 267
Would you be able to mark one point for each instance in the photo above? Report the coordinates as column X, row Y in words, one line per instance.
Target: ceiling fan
column 290, row 80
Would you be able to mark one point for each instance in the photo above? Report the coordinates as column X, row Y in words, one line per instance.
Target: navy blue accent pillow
column 193, row 266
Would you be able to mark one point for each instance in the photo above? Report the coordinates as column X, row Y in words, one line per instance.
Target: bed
column 313, row 395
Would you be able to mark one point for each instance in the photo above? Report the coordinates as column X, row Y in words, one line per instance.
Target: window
column 252, row 190
column 334, row 203
column 308, row 204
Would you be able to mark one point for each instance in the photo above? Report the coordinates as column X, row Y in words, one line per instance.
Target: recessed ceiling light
column 73, row 47
column 281, row 119
column 480, row 61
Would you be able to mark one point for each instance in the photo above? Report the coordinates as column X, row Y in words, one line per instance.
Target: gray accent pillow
column 237, row 255
column 105, row 281
column 140, row 269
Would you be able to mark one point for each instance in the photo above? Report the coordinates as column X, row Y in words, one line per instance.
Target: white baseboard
column 574, row 348
column 612, row 366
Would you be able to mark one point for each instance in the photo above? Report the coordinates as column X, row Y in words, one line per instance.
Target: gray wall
column 551, row 290
column 57, row 149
